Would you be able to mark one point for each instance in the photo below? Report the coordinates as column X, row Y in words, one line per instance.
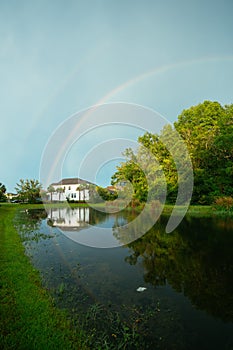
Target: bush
column 224, row 203
column 135, row 203
column 106, row 195
column 116, row 204
column 155, row 205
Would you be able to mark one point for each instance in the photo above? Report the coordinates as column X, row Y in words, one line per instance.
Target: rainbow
column 87, row 113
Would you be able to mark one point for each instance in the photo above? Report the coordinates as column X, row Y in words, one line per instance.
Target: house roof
column 71, row 181
column 111, row 188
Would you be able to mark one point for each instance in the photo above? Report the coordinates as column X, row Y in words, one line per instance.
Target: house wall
column 56, row 197
column 70, row 191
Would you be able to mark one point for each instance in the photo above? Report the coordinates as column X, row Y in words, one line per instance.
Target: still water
column 185, row 278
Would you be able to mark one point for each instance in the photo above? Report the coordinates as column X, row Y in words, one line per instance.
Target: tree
column 78, row 190
column 28, row 190
column 220, row 158
column 105, row 194
column 93, row 194
column 152, row 170
column 2, row 193
column 82, row 188
column 198, row 126
column 162, row 168
column 208, row 133
column 60, row 190
column 130, row 171
column 51, row 190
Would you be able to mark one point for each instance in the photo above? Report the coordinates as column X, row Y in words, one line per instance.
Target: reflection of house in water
column 68, row 219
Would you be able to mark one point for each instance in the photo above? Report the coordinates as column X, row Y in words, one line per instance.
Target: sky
column 58, row 58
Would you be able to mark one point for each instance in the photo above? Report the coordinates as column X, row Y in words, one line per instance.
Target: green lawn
column 28, row 318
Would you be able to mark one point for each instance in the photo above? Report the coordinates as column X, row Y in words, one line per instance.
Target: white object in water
column 141, row 289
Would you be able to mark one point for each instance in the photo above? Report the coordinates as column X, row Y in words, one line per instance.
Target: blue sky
column 59, row 57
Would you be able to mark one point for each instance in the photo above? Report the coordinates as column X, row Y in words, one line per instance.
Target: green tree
column 152, row 170
column 28, row 190
column 60, row 190
column 220, row 158
column 2, row 193
column 82, row 188
column 130, row 171
column 198, row 126
column 93, row 194
column 51, row 190
column 78, row 189
column 164, row 169
column 208, row 133
column 105, row 194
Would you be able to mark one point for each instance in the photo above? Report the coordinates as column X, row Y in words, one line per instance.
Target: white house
column 73, row 189
column 11, row 196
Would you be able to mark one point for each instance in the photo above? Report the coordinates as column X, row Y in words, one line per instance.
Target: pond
column 161, row 291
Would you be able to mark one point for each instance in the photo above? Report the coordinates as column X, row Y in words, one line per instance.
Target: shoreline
column 28, row 317
column 193, row 210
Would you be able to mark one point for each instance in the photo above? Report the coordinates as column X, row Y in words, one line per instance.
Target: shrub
column 135, row 203
column 224, row 203
column 155, row 205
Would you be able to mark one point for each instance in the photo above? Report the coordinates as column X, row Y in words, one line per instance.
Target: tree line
column 207, row 131
column 31, row 191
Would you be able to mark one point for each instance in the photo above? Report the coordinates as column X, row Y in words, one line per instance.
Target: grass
column 193, row 210
column 28, row 317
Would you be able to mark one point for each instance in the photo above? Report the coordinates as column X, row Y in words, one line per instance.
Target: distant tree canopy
column 207, row 130
column 28, row 190
column 105, row 194
column 2, row 192
column 208, row 133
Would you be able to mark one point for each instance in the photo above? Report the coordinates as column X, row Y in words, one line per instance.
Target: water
column 188, row 300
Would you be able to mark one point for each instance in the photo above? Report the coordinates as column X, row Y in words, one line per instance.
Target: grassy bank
column 193, row 210
column 28, row 318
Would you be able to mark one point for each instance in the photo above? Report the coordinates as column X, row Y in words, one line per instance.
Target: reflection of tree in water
column 28, row 224
column 139, row 223
column 96, row 216
column 196, row 259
